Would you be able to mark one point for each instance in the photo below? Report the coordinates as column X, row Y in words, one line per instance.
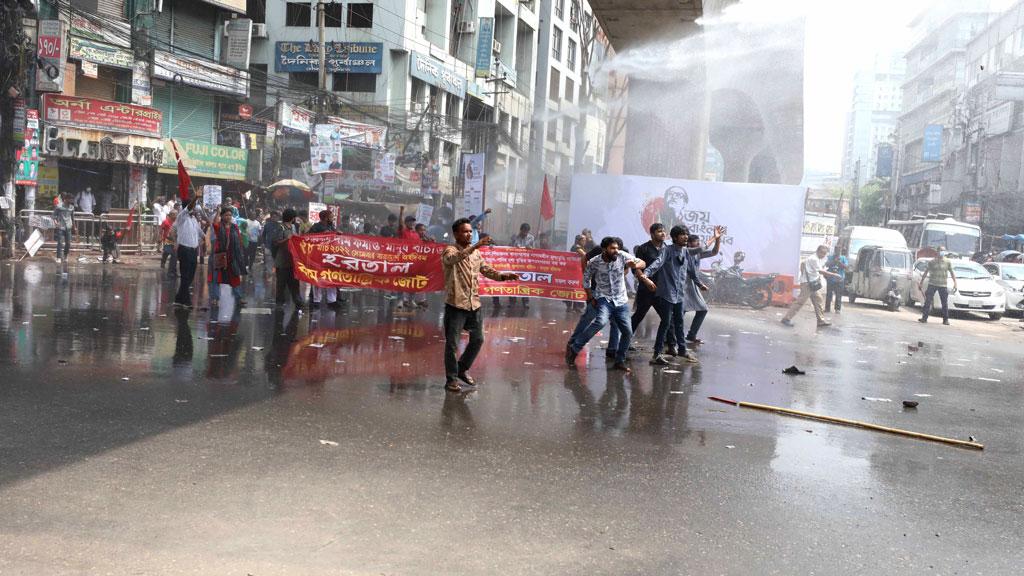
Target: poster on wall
column 327, row 142
column 314, row 210
column 52, row 53
column 384, row 168
column 142, row 92
column 626, row 206
column 27, row 157
column 473, row 184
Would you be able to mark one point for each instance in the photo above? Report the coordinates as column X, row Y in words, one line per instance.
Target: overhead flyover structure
column 734, row 84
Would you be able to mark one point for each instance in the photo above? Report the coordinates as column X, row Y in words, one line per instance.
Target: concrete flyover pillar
column 667, row 114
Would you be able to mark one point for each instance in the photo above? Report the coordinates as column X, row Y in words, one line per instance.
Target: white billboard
column 763, row 220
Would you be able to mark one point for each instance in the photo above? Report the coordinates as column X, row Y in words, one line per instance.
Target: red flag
column 547, row 207
column 184, row 182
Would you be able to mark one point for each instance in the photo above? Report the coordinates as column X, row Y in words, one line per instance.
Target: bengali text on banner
column 342, row 260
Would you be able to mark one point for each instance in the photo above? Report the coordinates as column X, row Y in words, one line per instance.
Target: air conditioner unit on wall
column 259, row 30
column 497, row 47
column 466, row 27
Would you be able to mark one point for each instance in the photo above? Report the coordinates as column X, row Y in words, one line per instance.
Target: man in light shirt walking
column 188, row 229
column 811, row 271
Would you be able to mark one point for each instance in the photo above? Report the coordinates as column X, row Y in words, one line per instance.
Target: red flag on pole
column 547, row 207
column 184, row 182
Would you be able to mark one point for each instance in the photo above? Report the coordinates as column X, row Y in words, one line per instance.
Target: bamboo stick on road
column 854, row 423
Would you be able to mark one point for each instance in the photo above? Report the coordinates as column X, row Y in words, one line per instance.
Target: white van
column 853, row 238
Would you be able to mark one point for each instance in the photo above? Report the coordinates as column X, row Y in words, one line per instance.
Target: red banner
column 93, row 114
column 332, row 260
column 542, row 274
column 328, row 260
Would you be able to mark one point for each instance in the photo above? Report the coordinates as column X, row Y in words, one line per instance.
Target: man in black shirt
column 324, row 226
column 390, row 230
column 649, row 252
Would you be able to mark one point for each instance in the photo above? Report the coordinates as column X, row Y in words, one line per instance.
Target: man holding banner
column 463, row 266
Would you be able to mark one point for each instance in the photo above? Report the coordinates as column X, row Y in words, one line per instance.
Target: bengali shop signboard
column 359, row 57
column 334, row 260
column 93, row 114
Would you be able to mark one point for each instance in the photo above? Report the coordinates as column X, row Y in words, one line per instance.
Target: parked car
column 977, row 290
column 881, row 274
column 1010, row 276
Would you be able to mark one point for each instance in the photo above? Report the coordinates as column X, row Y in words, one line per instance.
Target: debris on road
column 923, row 395
column 855, row 423
column 794, row 371
column 910, row 403
column 328, row 443
column 873, row 399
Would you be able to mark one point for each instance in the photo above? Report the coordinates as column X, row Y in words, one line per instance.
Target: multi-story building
column 989, row 155
column 936, row 74
column 570, row 118
column 872, row 118
column 447, row 78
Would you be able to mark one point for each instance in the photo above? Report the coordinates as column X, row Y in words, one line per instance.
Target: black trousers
column 834, row 290
column 455, row 321
column 286, row 282
column 645, row 300
column 186, row 274
column 929, row 297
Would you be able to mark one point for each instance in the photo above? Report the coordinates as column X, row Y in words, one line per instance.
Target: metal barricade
column 143, row 238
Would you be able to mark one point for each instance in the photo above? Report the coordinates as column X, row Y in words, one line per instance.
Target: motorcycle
column 730, row 287
column 893, row 298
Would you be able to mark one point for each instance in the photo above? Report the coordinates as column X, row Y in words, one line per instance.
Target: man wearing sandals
column 463, row 266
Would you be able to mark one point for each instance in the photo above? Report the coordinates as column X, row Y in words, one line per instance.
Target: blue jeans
column 604, row 311
column 589, row 316
column 65, row 236
column 671, row 318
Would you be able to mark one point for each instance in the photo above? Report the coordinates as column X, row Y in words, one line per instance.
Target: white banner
column 473, row 184
column 314, row 210
column 763, row 220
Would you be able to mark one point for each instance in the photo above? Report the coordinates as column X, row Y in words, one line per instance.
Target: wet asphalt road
column 135, row 440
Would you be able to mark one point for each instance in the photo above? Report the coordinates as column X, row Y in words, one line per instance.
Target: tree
column 872, row 203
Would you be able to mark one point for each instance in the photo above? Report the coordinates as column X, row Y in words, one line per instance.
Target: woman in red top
column 227, row 262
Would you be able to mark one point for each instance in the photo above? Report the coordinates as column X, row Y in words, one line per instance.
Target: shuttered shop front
column 195, row 25
column 188, row 113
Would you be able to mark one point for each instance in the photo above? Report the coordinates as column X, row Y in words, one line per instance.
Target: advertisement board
column 327, row 142
column 100, row 53
column 206, row 160
column 484, row 47
column 931, row 148
column 361, row 57
column 27, row 157
column 295, row 118
column 625, row 206
column 52, row 52
column 91, row 113
column 238, row 42
column 473, row 184
column 200, row 73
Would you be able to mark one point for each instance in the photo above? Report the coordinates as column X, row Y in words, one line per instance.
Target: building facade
column 570, row 120
column 872, row 119
column 936, row 74
column 446, row 78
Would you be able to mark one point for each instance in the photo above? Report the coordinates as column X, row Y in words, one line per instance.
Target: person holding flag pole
column 188, row 228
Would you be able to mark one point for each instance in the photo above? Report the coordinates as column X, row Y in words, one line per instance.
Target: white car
column 1010, row 276
column 977, row 290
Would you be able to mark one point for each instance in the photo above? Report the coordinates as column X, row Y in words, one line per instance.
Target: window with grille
column 360, row 15
column 298, row 14
column 355, row 82
column 556, row 43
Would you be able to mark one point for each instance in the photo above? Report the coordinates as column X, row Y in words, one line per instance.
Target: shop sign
column 99, row 53
column 142, row 91
column 233, row 5
column 102, row 146
column 52, row 52
column 207, row 160
column 78, row 112
column 238, row 123
column 361, row 57
column 237, row 44
column 90, row 69
column 436, row 73
column 200, row 73
column 48, row 182
column 107, row 30
column 484, row 47
column 295, row 118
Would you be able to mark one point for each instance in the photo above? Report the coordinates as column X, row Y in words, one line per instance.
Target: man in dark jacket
column 324, row 226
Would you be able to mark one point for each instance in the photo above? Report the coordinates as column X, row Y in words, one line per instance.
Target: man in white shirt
column 188, row 228
column 811, row 271
column 86, row 202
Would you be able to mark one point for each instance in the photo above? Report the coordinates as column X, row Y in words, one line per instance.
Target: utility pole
column 322, row 84
column 855, row 197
